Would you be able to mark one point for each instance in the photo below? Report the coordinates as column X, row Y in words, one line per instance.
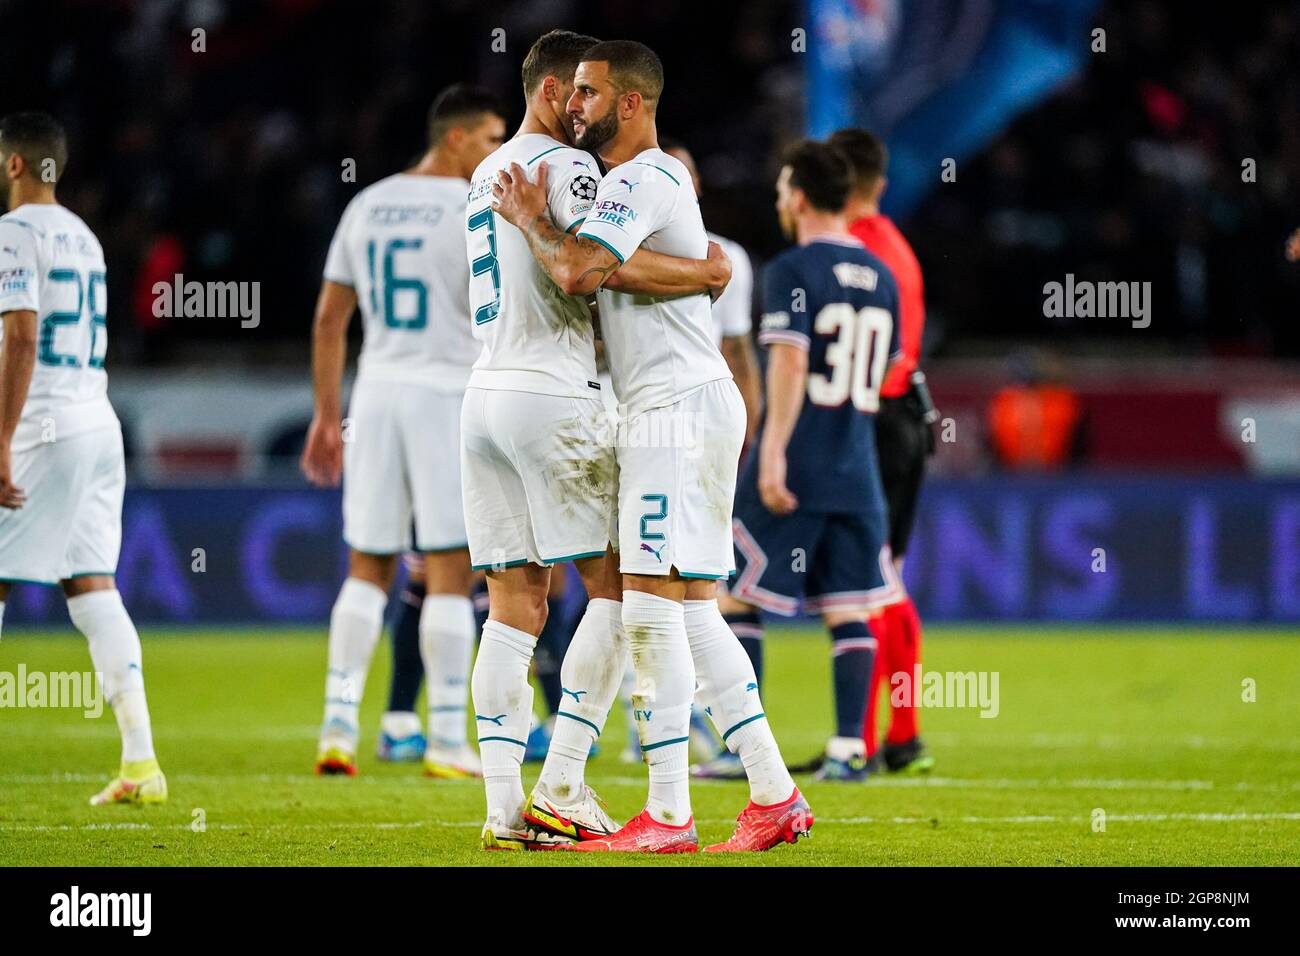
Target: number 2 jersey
column 659, row 349
column 401, row 246
column 52, row 264
column 837, row 301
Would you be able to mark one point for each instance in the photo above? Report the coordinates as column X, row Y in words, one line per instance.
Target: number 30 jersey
column 52, row 264
column 837, row 301
column 535, row 338
column 401, row 246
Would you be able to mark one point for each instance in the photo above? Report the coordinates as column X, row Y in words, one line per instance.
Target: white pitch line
column 904, row 782
column 832, row 821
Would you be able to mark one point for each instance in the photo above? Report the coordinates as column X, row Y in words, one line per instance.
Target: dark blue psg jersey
column 838, row 302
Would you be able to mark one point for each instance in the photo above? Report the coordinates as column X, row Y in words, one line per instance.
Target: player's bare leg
column 503, row 700
column 590, row 676
column 727, row 687
column 447, row 645
column 654, row 619
column 355, row 625
column 96, row 609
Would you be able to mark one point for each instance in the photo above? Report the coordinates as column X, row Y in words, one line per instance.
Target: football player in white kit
column 732, row 322
column 677, row 454
column 538, row 466
column 62, row 473
column 399, row 254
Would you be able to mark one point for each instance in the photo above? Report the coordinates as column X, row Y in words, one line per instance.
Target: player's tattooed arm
column 17, row 359
column 787, row 383
column 653, row 273
column 580, row 265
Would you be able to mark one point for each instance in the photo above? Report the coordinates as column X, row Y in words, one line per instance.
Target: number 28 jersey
column 52, row 264
column 835, row 300
column 401, row 246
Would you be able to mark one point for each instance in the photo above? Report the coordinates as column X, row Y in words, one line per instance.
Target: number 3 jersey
column 837, row 301
column 401, row 246
column 52, row 264
column 535, row 338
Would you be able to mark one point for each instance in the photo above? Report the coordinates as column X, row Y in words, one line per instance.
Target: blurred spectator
column 1036, row 422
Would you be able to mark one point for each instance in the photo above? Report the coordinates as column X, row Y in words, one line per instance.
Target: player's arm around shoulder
column 634, row 201
column 577, row 265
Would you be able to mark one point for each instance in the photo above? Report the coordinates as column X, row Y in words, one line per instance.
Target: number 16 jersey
column 401, row 246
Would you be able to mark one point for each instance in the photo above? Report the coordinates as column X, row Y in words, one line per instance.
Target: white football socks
column 726, row 685
column 355, row 625
column 503, row 707
column 2, row 618
column 590, row 677
column 665, row 684
column 115, row 653
column 446, row 646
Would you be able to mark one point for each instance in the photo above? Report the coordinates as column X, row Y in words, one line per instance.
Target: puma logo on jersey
column 496, row 720
column 657, row 553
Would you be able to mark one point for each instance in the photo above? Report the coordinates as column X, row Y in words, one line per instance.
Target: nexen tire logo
column 614, row 213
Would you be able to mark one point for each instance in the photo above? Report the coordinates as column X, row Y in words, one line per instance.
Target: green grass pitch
column 1148, row 727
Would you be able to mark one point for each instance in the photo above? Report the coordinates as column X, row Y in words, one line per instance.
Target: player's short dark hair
column 36, row 137
column 557, row 53
column 821, row 171
column 633, row 67
column 866, row 153
column 459, row 105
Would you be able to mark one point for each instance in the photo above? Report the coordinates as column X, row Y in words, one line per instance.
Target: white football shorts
column 71, row 525
column 401, row 467
column 539, row 478
column 677, row 482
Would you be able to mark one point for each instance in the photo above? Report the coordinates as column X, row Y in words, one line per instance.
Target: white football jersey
column 658, row 349
column 52, row 264
column 733, row 310
column 534, row 337
column 400, row 245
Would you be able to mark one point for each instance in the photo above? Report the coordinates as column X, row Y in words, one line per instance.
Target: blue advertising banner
column 994, row 549
column 937, row 79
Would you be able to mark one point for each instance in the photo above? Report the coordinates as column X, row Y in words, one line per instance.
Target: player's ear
column 551, row 89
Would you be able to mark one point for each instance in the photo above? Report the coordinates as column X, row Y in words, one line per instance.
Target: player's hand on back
column 776, row 497
column 515, row 199
column 11, row 496
column 322, row 458
column 721, row 270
